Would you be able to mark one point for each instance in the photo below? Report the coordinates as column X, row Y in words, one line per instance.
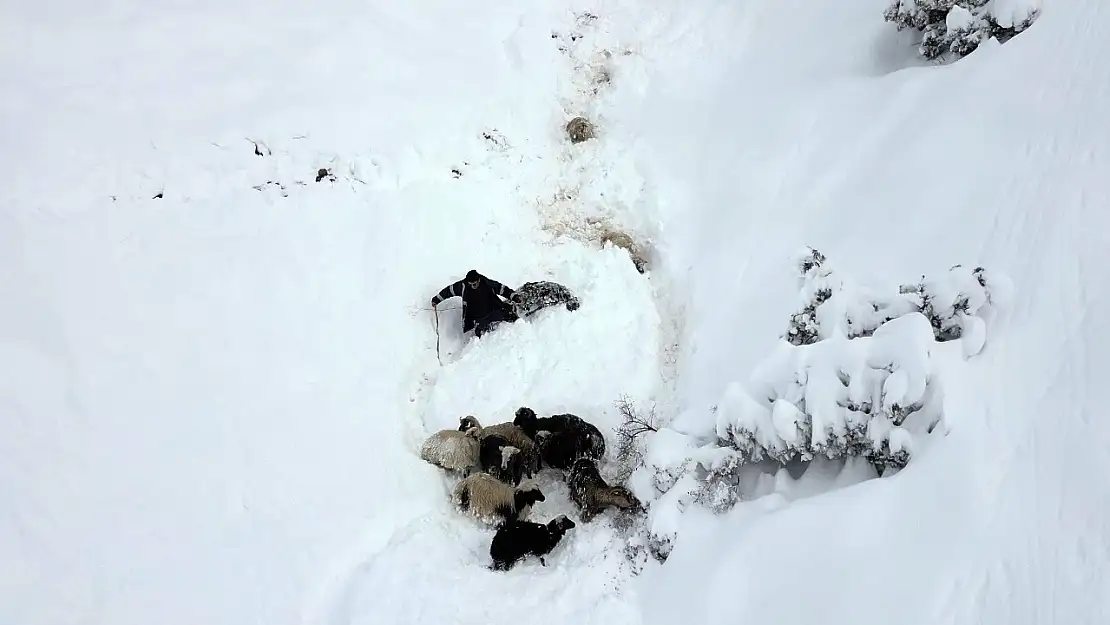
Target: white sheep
column 492, row 501
column 453, row 450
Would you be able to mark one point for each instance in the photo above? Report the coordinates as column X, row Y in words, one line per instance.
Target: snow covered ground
column 811, row 124
column 217, row 365
column 218, row 370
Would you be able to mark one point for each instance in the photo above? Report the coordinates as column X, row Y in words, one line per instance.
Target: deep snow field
column 216, row 369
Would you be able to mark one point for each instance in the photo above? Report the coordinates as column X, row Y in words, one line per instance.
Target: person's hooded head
column 473, row 279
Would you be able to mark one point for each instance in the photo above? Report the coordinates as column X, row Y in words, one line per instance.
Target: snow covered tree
column 832, row 306
column 855, row 379
column 817, row 286
column 837, row 398
column 957, row 27
column 958, row 304
column 852, row 378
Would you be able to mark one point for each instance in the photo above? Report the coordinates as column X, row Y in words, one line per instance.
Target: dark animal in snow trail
column 580, row 129
column 567, row 437
column 592, row 495
column 515, row 541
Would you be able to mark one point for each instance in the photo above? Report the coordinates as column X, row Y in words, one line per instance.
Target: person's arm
column 449, row 291
column 501, row 289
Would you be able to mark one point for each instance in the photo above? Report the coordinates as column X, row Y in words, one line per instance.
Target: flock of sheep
column 494, row 459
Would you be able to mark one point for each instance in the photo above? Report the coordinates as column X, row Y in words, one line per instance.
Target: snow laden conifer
column 955, row 28
column 957, row 304
column 857, row 366
column 853, row 377
column 817, row 285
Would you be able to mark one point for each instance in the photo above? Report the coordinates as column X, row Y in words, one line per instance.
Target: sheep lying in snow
column 532, row 297
column 592, row 495
column 492, row 501
column 500, row 459
column 452, row 450
column 512, row 433
column 517, row 540
column 568, row 437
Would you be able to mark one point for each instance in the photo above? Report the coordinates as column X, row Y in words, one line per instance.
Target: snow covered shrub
column 853, row 383
column 836, row 398
column 956, row 304
column 957, row 27
column 718, row 473
column 816, row 290
column 830, row 306
column 640, row 544
column 855, row 366
column 663, row 482
column 853, row 378
column 656, row 460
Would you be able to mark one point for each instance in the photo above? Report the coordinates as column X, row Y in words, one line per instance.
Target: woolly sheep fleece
column 452, row 450
column 491, row 501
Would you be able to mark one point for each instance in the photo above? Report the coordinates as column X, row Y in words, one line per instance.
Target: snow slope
column 217, row 369
column 803, row 123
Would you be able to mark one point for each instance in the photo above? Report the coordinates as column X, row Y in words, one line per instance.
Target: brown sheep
column 592, row 495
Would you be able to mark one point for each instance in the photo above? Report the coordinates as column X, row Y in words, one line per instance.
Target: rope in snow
column 435, row 309
column 438, row 357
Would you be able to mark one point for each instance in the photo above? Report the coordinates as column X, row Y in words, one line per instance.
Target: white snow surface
column 809, row 123
column 216, row 372
column 213, row 400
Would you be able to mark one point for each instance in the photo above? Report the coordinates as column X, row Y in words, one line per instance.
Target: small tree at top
column 955, row 28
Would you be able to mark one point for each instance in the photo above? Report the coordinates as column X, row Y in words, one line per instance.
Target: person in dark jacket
column 482, row 306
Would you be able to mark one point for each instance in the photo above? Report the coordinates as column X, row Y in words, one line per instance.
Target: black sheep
column 514, row 434
column 592, row 495
column 567, row 437
column 501, row 459
column 528, row 421
column 516, row 540
column 559, row 450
